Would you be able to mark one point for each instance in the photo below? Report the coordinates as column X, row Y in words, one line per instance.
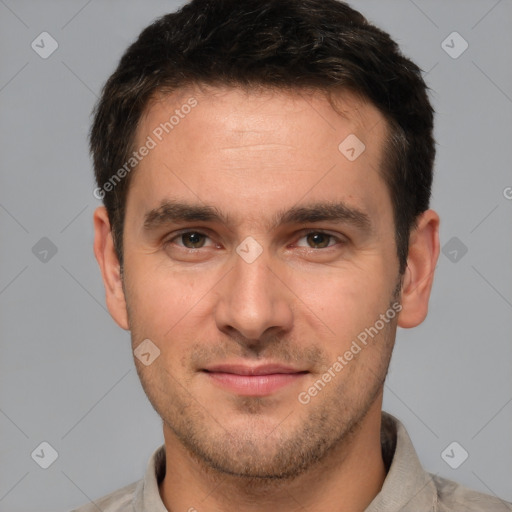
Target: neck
column 348, row 479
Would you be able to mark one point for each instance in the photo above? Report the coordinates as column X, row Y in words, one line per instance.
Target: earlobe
column 110, row 268
column 419, row 275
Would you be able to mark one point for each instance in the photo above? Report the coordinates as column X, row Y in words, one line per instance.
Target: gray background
column 66, row 370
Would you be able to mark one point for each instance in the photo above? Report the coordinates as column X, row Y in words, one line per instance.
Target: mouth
column 246, row 380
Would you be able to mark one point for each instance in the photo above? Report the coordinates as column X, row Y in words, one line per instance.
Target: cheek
column 345, row 300
column 161, row 301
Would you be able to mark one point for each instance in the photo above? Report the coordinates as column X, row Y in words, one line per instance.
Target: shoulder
column 117, row 501
column 453, row 496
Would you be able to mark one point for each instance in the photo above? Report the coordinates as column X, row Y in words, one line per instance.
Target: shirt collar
column 407, row 484
column 147, row 495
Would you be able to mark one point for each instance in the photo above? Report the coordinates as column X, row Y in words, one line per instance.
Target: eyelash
column 182, row 233
column 303, row 235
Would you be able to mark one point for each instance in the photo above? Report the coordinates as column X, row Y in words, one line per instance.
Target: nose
column 253, row 301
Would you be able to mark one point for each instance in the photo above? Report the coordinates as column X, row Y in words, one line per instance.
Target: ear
column 419, row 274
column 110, row 267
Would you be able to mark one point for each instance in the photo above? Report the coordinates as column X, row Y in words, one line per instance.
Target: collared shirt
column 407, row 487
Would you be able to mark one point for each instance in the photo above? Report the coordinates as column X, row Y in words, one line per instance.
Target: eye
column 318, row 240
column 189, row 240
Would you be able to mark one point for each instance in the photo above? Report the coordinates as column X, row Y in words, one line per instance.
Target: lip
column 246, row 380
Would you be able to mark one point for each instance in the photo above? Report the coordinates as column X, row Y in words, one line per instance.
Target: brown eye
column 318, row 240
column 193, row 240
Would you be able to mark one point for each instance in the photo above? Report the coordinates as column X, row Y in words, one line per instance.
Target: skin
column 252, row 155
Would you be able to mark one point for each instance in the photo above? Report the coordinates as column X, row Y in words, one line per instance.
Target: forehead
column 253, row 149
column 249, row 112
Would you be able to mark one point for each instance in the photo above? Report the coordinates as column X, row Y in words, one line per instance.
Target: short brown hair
column 286, row 44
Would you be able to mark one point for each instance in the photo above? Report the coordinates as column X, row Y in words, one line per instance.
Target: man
column 266, row 168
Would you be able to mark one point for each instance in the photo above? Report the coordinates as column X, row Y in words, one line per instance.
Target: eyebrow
column 171, row 211
column 321, row 212
column 175, row 211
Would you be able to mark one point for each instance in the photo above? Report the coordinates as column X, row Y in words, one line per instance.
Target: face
column 257, row 254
